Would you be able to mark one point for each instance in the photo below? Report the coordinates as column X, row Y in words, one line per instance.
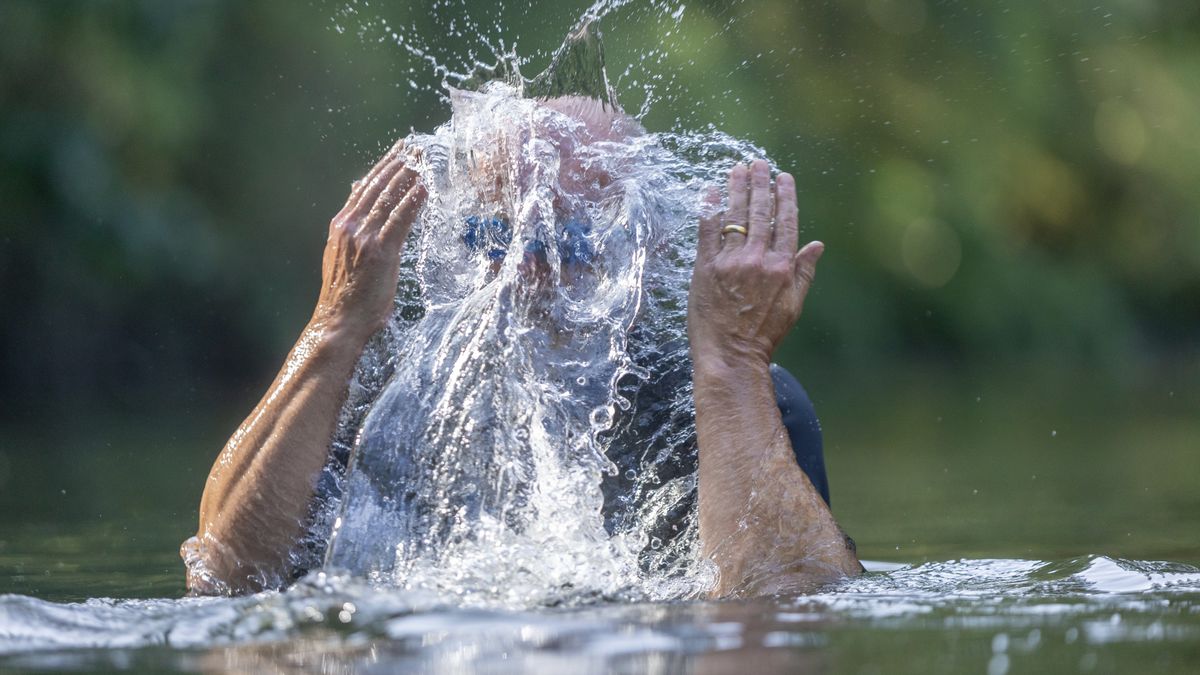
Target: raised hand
column 749, row 283
column 258, row 494
column 361, row 264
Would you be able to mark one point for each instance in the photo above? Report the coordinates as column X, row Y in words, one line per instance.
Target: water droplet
column 1000, row 642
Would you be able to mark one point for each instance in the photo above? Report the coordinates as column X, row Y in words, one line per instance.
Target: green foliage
column 1010, row 181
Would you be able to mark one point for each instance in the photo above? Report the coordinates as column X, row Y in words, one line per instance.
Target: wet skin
column 258, row 491
column 761, row 521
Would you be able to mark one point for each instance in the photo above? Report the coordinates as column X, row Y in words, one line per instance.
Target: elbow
column 803, row 578
column 214, row 569
column 769, row 575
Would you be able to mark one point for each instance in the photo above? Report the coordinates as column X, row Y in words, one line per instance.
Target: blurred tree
column 995, row 183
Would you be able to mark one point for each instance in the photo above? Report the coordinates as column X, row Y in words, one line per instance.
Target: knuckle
column 371, row 249
column 767, row 269
column 774, row 277
column 726, row 266
column 365, row 237
column 777, row 265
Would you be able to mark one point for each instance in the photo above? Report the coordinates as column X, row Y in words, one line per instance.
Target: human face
column 549, row 151
column 493, row 238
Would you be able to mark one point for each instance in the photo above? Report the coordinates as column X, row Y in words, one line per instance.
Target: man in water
column 762, row 520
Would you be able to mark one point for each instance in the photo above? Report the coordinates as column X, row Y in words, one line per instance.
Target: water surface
column 1015, row 520
column 979, row 567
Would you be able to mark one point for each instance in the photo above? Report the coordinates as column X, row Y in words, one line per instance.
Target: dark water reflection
column 1016, row 521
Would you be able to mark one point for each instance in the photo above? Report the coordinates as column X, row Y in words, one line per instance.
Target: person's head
column 553, row 153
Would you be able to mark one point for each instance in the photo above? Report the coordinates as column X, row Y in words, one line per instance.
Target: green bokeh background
column 1007, row 191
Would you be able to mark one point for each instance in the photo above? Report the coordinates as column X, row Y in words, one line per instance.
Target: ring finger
column 736, row 220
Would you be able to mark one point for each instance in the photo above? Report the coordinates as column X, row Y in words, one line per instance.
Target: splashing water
column 1067, row 608
column 516, row 453
column 523, row 432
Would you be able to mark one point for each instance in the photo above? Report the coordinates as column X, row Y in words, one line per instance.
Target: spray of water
column 522, row 433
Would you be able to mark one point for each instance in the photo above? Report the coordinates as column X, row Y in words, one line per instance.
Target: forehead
column 596, row 120
column 555, row 145
column 569, row 120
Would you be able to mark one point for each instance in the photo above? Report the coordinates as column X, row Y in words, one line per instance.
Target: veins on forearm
column 761, row 518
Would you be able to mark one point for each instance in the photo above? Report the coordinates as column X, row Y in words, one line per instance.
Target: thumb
column 806, row 264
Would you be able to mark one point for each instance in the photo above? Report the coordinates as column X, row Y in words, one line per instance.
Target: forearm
column 761, row 520
column 258, row 492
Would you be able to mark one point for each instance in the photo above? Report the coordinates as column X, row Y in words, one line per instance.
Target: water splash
column 515, row 372
column 657, row 45
column 522, row 433
column 1079, row 604
column 576, row 70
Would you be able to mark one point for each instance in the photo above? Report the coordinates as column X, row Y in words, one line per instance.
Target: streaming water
column 520, row 485
column 514, row 456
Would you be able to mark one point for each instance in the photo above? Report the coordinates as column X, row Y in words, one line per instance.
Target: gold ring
column 734, row 228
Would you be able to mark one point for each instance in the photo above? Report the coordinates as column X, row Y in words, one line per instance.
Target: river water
column 974, row 615
column 1003, row 531
column 1013, row 533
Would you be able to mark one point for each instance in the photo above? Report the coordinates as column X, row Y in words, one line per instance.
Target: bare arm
column 257, row 494
column 761, row 520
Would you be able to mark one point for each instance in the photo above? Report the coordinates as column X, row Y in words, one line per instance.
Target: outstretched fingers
column 390, row 196
column 760, row 206
column 374, row 187
column 400, row 220
column 361, row 185
column 786, row 215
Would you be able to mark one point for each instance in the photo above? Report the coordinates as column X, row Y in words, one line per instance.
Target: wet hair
column 603, row 121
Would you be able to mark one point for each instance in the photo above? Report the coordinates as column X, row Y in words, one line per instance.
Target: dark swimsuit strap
column 803, row 427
